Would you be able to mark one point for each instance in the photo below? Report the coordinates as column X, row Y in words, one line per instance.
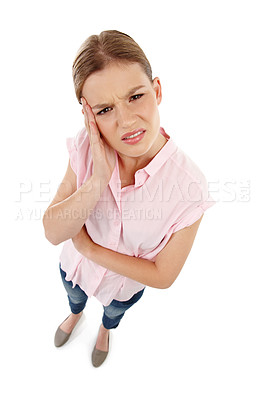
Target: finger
column 95, row 135
column 90, row 114
column 84, row 110
column 86, row 107
column 85, row 113
column 92, row 120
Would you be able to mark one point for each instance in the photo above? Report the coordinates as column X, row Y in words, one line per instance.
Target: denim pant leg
column 77, row 298
column 116, row 310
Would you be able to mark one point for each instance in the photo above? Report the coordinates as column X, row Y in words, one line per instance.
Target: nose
column 125, row 117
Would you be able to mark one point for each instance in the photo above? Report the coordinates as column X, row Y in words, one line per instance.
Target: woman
column 131, row 201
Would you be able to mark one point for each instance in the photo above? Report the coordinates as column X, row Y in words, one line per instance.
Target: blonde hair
column 99, row 50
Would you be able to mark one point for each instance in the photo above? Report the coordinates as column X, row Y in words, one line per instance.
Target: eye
column 136, row 96
column 104, row 111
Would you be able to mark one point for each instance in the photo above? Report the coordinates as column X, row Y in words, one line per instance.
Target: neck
column 132, row 164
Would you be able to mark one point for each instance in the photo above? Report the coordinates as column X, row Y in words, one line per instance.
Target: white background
column 204, row 337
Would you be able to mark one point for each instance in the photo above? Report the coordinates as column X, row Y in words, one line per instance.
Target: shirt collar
column 162, row 156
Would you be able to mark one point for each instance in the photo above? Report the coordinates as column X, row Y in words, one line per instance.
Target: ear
column 158, row 89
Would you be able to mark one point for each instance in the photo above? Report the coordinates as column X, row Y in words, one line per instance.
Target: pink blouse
column 169, row 194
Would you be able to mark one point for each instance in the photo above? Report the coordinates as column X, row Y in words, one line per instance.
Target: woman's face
column 124, row 100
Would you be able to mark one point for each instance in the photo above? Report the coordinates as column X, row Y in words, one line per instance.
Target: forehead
column 115, row 80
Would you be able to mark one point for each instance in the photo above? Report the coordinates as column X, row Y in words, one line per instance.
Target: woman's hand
column 83, row 242
column 103, row 155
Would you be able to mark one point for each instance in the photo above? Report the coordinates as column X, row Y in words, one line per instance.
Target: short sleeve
column 72, row 150
column 195, row 201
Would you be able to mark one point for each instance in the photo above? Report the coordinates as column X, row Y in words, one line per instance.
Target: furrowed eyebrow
column 105, row 105
column 133, row 90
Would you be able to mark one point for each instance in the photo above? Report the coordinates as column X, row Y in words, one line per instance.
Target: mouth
column 133, row 134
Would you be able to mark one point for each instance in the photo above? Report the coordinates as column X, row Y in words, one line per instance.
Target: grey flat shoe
column 98, row 356
column 62, row 337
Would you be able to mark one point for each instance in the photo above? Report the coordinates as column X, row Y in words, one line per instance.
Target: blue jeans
column 112, row 314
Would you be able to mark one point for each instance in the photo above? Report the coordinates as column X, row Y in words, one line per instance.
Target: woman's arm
column 173, row 256
column 160, row 274
column 70, row 208
column 138, row 269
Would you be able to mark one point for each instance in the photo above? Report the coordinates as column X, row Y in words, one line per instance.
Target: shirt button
column 116, row 222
